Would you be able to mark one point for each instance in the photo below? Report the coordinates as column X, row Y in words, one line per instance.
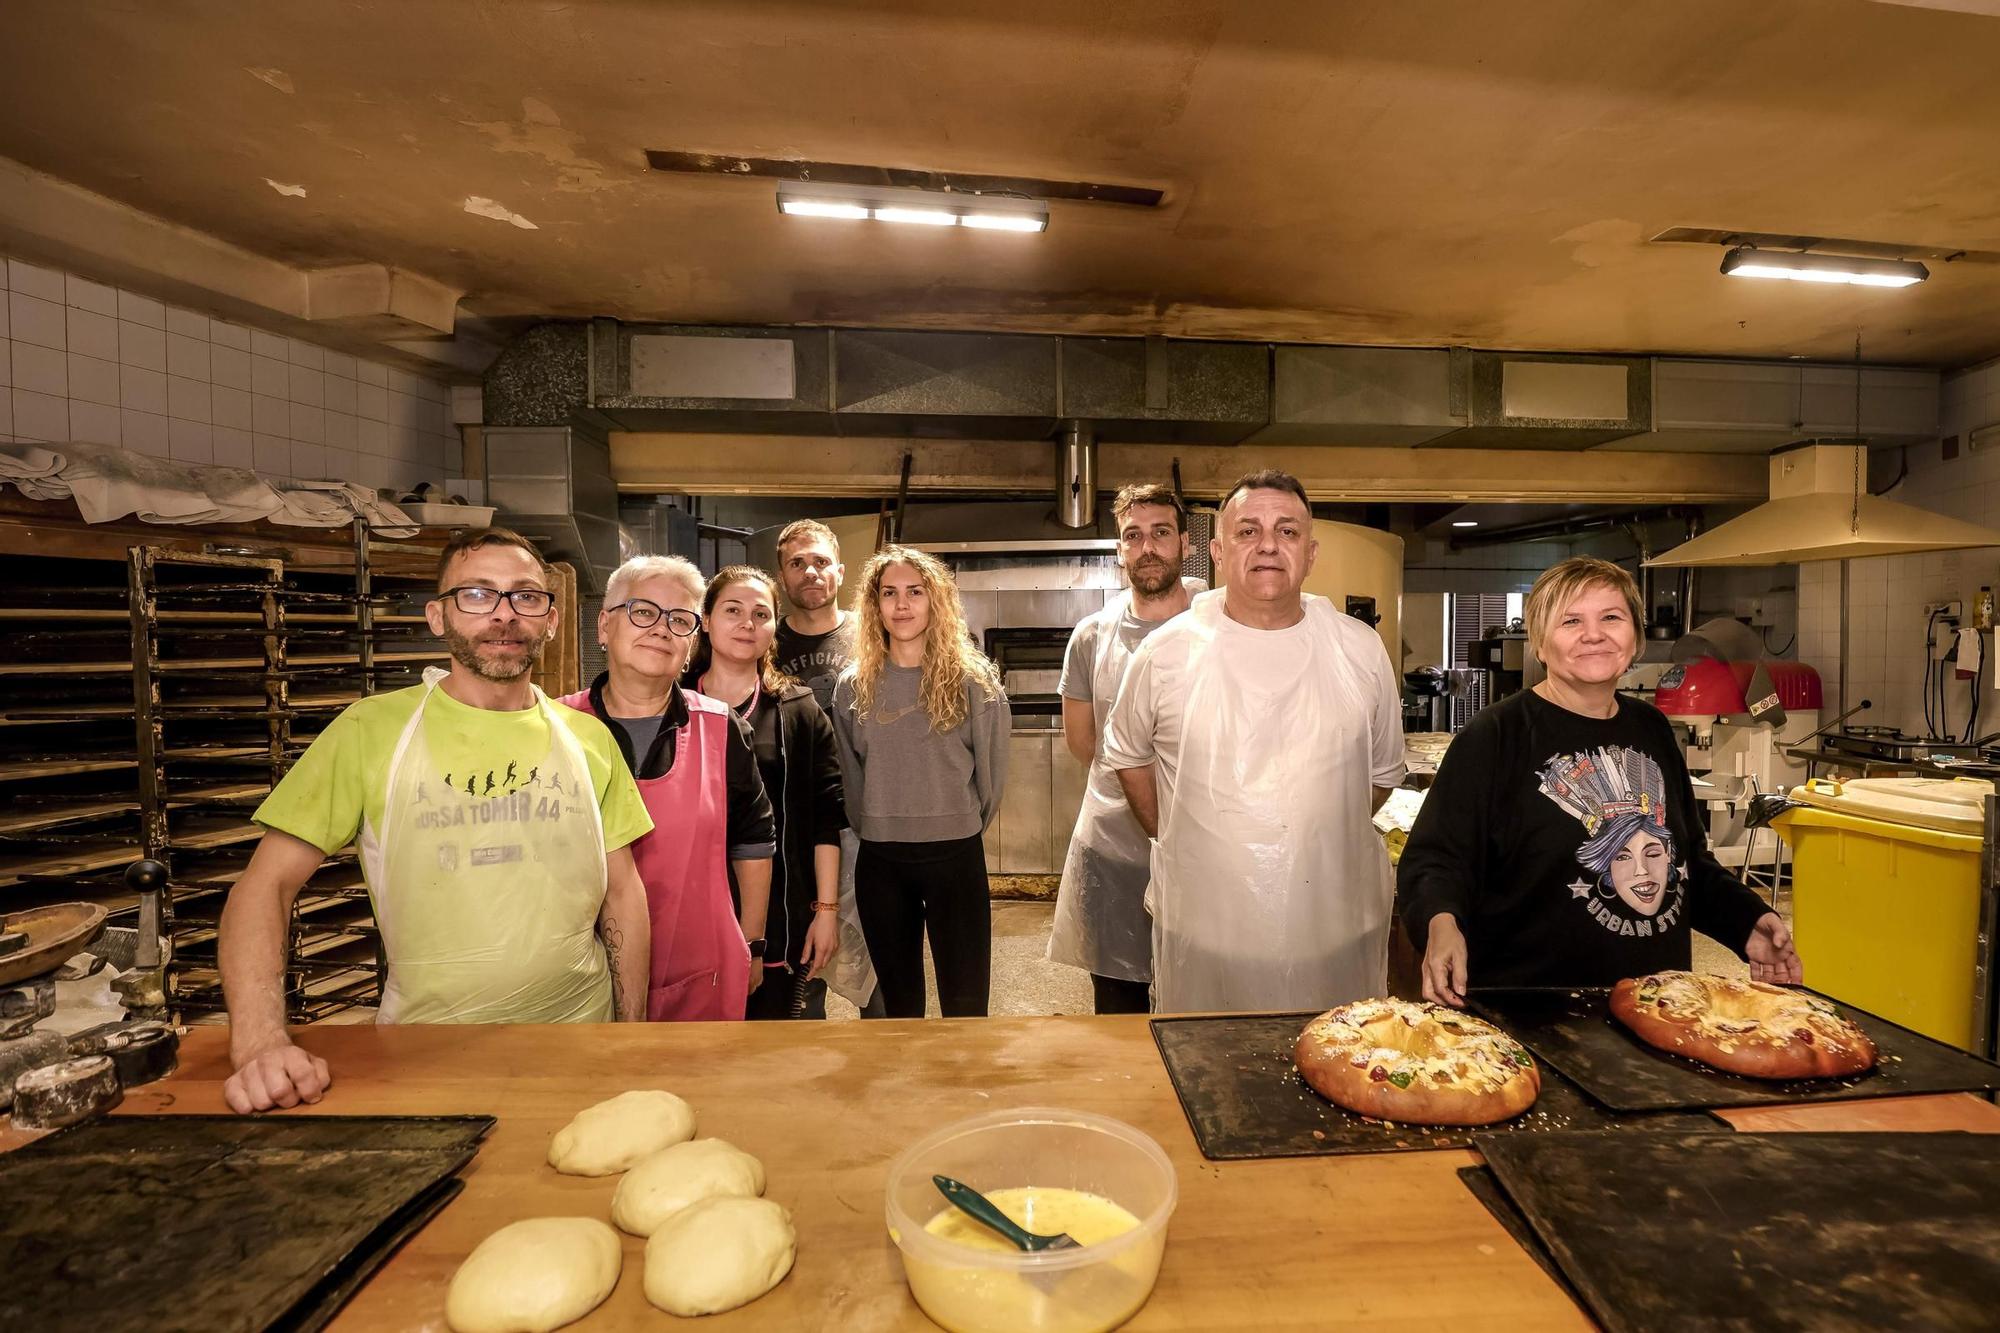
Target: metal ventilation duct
column 1076, row 476
column 922, row 384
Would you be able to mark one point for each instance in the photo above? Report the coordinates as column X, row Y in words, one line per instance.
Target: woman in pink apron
column 693, row 762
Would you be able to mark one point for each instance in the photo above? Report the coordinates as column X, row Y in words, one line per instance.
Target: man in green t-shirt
column 494, row 830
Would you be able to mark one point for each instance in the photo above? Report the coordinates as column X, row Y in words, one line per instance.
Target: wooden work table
column 1277, row 1244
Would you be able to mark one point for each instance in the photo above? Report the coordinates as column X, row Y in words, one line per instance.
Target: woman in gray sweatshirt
column 922, row 723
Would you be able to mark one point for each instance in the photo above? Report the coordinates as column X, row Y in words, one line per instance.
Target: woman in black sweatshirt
column 1561, row 844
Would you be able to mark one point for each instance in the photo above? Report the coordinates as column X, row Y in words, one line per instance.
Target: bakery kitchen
column 994, row 666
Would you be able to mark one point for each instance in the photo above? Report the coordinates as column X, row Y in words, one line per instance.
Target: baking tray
column 1772, row 1232
column 1573, row 1030
column 156, row 1224
column 1243, row 1099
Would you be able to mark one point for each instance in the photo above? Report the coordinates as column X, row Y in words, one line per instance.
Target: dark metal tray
column 1573, row 1030
column 161, row 1223
column 1772, row 1232
column 1243, row 1099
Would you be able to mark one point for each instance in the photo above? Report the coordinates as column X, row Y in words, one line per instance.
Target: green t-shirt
column 344, row 775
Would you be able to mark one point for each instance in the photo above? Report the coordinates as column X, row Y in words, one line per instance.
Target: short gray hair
column 641, row 567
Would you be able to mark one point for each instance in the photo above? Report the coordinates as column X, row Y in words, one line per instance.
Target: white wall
column 85, row 362
column 1887, row 595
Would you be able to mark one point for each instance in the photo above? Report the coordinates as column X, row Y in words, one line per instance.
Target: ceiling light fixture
column 926, row 208
column 1465, row 523
column 820, row 208
column 1747, row 261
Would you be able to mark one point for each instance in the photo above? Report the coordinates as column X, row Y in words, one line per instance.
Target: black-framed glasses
column 644, row 615
column 477, row 601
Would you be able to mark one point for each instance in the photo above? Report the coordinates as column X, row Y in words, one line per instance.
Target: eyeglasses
column 477, row 601
column 644, row 615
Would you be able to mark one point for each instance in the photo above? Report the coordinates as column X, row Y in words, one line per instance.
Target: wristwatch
column 756, row 948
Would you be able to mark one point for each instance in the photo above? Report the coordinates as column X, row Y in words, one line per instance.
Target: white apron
column 488, row 905
column 1270, row 886
column 1100, row 922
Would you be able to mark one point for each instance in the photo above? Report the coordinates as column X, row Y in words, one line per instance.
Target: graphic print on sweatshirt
column 1630, row 879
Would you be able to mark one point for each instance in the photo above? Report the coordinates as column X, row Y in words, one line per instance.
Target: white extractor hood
column 1820, row 509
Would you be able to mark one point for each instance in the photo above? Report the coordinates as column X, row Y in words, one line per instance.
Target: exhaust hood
column 1820, row 509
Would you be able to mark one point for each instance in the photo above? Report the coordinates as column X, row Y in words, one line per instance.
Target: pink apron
column 700, row 966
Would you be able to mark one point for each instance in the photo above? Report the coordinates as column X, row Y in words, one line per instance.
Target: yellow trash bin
column 1886, row 909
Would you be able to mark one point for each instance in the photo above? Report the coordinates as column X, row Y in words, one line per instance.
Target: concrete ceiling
column 1416, row 173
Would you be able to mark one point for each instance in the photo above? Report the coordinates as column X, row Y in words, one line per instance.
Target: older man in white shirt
column 1254, row 737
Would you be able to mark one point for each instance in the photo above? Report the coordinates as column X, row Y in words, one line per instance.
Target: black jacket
column 810, row 813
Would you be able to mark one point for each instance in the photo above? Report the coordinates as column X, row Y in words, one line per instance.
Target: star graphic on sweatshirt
column 1579, row 889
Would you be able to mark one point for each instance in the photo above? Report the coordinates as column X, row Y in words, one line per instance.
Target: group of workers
column 755, row 799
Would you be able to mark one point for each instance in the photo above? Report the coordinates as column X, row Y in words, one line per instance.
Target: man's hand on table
column 1772, row 957
column 276, row 1075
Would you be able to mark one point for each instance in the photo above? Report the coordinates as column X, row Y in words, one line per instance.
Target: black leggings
column 908, row 889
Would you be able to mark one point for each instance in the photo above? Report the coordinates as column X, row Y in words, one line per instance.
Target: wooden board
column 827, row 1106
column 560, row 668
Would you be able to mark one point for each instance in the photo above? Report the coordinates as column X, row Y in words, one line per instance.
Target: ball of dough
column 718, row 1254
column 609, row 1137
column 533, row 1276
column 671, row 1179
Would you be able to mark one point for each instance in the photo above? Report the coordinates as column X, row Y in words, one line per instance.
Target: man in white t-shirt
column 1254, row 737
column 1101, row 923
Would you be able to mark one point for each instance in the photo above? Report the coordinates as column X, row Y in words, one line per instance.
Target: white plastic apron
column 1101, row 923
column 1270, row 888
column 488, row 905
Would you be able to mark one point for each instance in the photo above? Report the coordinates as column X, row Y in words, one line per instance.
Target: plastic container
column 448, row 515
column 1082, row 1290
column 1885, row 913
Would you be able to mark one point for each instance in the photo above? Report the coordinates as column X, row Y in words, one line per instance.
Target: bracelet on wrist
column 825, row 907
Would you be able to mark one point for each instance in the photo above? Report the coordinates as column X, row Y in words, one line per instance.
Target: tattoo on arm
column 614, row 941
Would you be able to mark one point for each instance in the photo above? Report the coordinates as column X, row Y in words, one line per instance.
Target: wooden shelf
column 25, row 769
column 227, row 836
column 14, row 869
column 219, row 795
column 196, row 753
column 54, row 814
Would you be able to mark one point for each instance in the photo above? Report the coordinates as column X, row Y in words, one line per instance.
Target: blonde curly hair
column 951, row 663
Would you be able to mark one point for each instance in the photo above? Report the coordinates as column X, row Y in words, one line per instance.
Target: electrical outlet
column 1951, row 610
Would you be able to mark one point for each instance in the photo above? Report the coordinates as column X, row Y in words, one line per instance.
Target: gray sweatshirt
column 906, row 783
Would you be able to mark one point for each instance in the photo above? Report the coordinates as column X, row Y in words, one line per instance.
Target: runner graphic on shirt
column 1632, row 881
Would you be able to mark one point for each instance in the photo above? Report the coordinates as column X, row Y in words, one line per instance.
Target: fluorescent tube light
column 924, row 208
column 1748, row 262
column 925, row 217
column 1004, row 221
column 1465, row 523
column 820, row 208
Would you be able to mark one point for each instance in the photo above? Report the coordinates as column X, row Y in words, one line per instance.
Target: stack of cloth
column 108, row 483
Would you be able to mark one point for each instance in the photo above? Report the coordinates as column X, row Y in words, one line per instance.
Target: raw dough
column 609, row 1137
column 673, row 1178
column 718, row 1254
column 532, row 1276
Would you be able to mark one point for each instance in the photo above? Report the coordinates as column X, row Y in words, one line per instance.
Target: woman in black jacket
column 735, row 662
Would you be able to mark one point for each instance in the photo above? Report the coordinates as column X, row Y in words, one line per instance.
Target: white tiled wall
column 85, row 362
column 1887, row 595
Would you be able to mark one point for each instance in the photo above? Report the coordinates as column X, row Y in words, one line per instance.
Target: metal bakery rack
column 146, row 708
